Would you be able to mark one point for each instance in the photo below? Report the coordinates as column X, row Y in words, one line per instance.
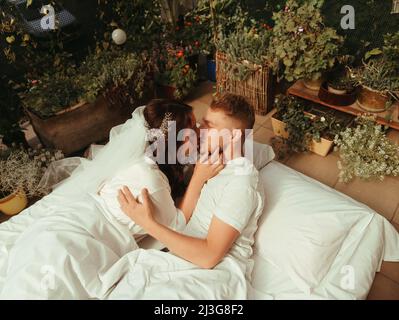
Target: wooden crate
column 258, row 88
column 321, row 148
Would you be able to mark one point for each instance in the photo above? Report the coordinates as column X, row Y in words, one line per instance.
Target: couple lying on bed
column 140, row 193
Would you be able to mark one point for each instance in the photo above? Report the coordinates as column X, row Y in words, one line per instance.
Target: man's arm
column 205, row 253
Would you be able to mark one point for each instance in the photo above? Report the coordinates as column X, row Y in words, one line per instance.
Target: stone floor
column 383, row 197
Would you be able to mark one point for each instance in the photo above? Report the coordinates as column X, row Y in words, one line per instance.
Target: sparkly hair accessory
column 163, row 129
column 165, row 123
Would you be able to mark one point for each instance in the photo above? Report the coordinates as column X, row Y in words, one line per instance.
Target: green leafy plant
column 380, row 70
column 140, row 19
column 341, row 81
column 366, row 152
column 210, row 20
column 174, row 70
column 305, row 123
column 119, row 76
column 25, row 54
column 339, row 76
column 195, row 33
column 290, row 110
column 377, row 75
column 101, row 73
column 10, row 110
column 23, row 169
column 391, row 49
column 301, row 44
column 246, row 51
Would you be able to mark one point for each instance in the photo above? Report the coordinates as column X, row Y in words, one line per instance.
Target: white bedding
column 361, row 253
column 80, row 253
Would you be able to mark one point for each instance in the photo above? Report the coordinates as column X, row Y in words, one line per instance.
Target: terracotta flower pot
column 313, row 84
column 372, row 100
column 14, row 203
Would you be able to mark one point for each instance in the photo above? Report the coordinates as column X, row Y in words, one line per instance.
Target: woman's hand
column 142, row 214
column 208, row 167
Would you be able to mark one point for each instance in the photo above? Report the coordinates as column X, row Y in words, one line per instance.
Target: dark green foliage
column 10, row 114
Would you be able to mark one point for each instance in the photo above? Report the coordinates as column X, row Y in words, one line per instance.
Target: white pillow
column 263, row 155
column 304, row 225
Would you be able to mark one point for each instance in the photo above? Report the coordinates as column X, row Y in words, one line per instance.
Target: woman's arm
column 202, row 173
column 190, row 199
column 205, row 253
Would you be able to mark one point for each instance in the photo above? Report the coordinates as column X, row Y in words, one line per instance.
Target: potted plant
column 366, row 152
column 379, row 76
column 74, row 107
column 379, row 85
column 242, row 67
column 305, row 129
column 209, row 20
column 301, row 44
column 340, row 84
column 339, row 89
column 21, row 172
column 175, row 77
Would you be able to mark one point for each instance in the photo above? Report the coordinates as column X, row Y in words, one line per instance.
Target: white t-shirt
column 140, row 175
column 236, row 197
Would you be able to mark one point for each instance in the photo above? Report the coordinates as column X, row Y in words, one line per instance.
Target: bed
column 349, row 269
column 312, row 243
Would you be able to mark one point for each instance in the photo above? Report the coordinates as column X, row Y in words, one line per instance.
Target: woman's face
column 191, row 134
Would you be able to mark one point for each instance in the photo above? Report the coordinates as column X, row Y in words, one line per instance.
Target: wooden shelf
column 299, row 90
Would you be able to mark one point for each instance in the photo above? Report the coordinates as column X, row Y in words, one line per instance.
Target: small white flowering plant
column 23, row 169
column 366, row 152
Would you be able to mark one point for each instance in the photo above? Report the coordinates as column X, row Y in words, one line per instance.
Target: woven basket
column 258, row 88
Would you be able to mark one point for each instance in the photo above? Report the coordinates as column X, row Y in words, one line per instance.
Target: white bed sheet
column 361, row 258
column 114, row 262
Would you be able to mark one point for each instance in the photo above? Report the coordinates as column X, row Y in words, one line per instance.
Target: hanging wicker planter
column 257, row 88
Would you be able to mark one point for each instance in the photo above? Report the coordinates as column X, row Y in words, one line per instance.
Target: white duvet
column 79, row 253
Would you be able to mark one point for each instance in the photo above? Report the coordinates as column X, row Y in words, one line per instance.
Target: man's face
column 219, row 123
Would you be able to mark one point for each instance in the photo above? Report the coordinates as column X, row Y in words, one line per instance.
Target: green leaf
column 288, row 62
column 10, row 39
column 374, row 52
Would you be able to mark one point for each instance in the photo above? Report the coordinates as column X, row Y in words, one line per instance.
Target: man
column 220, row 207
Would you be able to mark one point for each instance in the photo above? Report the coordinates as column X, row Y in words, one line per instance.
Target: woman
column 165, row 182
column 64, row 246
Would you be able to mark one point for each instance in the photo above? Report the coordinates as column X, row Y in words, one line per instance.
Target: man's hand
column 142, row 214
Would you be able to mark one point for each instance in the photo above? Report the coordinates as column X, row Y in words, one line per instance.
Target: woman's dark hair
column 181, row 113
